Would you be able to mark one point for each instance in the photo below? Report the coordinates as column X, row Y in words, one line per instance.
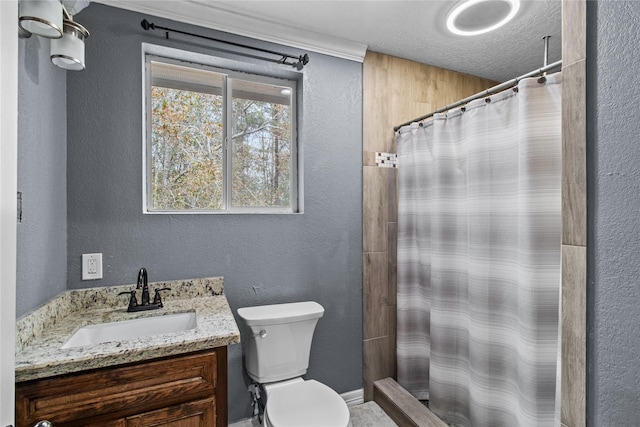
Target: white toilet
column 277, row 355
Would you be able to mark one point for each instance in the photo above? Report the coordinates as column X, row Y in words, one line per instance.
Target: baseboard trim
column 354, row 397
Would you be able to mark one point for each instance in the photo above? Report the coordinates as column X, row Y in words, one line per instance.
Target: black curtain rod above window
column 298, row 62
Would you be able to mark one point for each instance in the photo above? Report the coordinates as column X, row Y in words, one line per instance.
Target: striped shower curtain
column 479, row 228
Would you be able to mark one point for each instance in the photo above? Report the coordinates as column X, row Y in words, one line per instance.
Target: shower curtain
column 479, row 227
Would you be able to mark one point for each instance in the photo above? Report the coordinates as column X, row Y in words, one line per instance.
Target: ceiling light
column 474, row 17
column 41, row 17
column 68, row 51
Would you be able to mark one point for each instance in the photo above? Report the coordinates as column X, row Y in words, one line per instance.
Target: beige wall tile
column 574, row 264
column 392, row 195
column 391, row 341
column 375, row 276
column 369, row 158
column 574, row 173
column 376, row 363
column 374, row 207
column 574, row 31
column 392, row 256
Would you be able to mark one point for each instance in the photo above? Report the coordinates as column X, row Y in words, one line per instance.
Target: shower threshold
column 402, row 407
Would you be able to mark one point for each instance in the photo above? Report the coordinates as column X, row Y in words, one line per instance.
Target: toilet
column 277, row 355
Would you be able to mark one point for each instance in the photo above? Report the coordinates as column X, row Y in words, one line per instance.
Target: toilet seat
column 306, row 404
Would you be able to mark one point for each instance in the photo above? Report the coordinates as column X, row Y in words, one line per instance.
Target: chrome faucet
column 144, row 304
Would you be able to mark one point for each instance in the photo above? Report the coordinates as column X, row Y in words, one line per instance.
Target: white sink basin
column 130, row 329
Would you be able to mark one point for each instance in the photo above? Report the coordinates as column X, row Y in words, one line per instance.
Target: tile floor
column 368, row 414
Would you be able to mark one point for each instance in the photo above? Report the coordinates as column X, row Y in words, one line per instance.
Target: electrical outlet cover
column 91, row 266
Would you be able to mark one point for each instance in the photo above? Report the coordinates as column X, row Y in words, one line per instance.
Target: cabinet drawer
column 192, row 414
column 117, row 391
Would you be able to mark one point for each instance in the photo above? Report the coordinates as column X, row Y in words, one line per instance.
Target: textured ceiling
column 413, row 30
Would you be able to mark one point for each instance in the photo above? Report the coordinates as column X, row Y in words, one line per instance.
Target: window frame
column 230, row 70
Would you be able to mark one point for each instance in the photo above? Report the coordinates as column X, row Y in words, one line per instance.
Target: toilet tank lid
column 281, row 313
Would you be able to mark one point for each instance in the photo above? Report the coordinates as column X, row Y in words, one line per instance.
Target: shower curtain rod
column 487, row 92
column 297, row 62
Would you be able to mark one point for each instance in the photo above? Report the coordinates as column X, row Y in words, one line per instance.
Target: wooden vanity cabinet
column 181, row 391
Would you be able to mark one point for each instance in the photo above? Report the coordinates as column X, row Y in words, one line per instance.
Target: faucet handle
column 133, row 301
column 157, row 299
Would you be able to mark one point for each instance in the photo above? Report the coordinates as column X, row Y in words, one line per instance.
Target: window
column 218, row 140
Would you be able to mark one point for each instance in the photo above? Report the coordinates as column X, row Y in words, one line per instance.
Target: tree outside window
column 208, row 154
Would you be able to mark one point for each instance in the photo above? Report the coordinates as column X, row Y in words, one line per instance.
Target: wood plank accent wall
column 574, row 214
column 394, row 91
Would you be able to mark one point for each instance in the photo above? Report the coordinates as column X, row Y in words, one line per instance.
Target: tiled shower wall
column 574, row 213
column 397, row 90
column 394, row 91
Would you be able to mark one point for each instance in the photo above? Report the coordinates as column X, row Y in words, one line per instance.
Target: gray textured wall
column 613, row 92
column 42, row 171
column 264, row 258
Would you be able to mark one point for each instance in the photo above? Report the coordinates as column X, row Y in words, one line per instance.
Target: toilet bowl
column 305, row 404
column 278, row 343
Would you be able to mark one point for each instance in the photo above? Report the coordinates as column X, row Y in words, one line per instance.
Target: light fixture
column 50, row 19
column 68, row 52
column 41, row 17
column 474, row 17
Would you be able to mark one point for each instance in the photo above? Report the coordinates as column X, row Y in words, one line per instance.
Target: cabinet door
column 201, row 413
column 117, row 392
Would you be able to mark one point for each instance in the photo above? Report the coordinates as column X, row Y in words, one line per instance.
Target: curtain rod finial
column 302, row 61
column 146, row 25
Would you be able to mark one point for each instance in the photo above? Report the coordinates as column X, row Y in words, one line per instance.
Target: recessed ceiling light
column 473, row 17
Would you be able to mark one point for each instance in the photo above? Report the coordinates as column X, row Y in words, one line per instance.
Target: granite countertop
column 41, row 333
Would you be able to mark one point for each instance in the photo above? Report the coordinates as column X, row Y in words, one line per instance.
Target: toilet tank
column 278, row 339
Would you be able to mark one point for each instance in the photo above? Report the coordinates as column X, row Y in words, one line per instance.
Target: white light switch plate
column 91, row 266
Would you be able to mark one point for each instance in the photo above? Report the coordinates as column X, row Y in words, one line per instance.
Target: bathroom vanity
column 176, row 391
column 157, row 379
